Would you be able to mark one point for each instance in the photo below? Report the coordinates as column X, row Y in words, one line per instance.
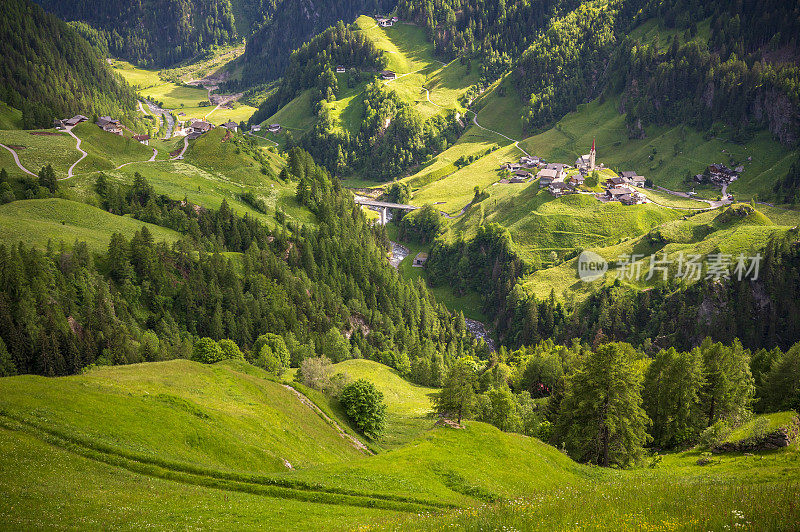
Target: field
column 37, row 222
column 161, row 443
column 709, row 232
column 107, row 150
column 138, row 78
column 410, row 405
column 37, row 151
column 10, row 118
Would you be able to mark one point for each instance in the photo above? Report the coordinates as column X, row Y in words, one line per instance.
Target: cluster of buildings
column 719, row 174
column 387, row 22
column 623, row 189
column 109, row 125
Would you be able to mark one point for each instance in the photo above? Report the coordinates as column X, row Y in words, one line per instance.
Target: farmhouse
column 511, row 167
column 75, row 120
column 546, row 176
column 385, row 22
column 632, row 178
column 104, row 121
column 529, row 161
column 560, row 169
column 616, row 181
column 559, row 188
column 420, row 259
column 340, row 69
column 230, row 125
column 577, row 179
column 144, row 139
column 274, row 128
column 257, row 127
column 388, row 75
column 58, row 124
column 521, row 174
column 200, row 126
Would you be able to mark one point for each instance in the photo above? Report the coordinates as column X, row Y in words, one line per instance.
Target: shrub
column 364, row 405
column 315, row 373
column 207, row 351
column 230, row 350
column 715, row 434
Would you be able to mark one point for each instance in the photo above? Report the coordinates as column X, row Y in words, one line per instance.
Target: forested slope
column 49, row 71
column 153, row 33
column 293, row 23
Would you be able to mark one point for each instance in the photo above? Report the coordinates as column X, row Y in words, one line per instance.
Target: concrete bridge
column 384, row 206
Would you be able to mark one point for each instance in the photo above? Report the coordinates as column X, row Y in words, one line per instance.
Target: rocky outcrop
column 778, row 439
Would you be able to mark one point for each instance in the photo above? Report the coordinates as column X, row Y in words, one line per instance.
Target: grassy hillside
column 36, row 150
column 35, row 222
column 738, row 229
column 10, row 118
column 107, row 150
column 409, row 404
column 215, row 417
column 667, row 155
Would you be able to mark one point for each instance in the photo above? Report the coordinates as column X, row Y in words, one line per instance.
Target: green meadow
column 42, row 221
column 36, row 151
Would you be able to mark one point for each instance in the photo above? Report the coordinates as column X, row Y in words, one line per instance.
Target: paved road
column 185, row 145
column 711, row 203
column 515, row 141
column 77, row 147
column 16, row 160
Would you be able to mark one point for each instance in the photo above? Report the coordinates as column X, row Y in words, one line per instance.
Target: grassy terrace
column 37, row 222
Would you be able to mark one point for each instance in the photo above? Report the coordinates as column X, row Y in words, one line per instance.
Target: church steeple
column 592, row 155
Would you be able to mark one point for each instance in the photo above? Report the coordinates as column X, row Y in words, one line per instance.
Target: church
column 586, row 163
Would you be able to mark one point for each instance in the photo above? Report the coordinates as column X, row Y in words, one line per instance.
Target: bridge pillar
column 384, row 211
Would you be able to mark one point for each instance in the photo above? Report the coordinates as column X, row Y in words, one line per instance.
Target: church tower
column 592, row 156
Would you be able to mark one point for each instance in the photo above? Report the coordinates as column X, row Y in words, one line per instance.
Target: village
column 561, row 179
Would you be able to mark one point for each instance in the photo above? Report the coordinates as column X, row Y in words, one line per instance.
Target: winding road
column 185, row 145
column 16, row 160
column 515, row 141
column 77, row 147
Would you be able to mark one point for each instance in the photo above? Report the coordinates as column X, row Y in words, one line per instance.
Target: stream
column 479, row 331
column 156, row 110
column 399, row 252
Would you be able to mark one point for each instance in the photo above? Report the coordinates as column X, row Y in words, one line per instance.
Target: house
column 529, row 161
column 104, row 121
column 340, row 69
column 75, row 120
column 230, row 125
column 395, row 20
column 577, row 179
column 546, row 176
column 144, row 139
column 257, row 127
column 634, row 198
column 385, row 22
column 627, row 174
column 274, row 128
column 559, row 188
column 388, row 75
column 522, row 174
column 622, row 194
column 112, row 128
column 193, row 135
column 616, row 181
column 558, row 168
column 201, row 126
column 420, row 259
column 58, row 124
column 637, row 181
column 511, row 167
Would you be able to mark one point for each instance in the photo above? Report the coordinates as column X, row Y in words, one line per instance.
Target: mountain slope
column 293, row 23
column 49, row 71
column 151, row 32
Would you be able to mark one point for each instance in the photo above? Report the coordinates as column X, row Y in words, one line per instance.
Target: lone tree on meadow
column 364, row 405
column 602, row 420
column 458, row 393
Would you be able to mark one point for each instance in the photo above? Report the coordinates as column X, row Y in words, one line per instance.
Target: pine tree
column 458, row 394
column 601, row 419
